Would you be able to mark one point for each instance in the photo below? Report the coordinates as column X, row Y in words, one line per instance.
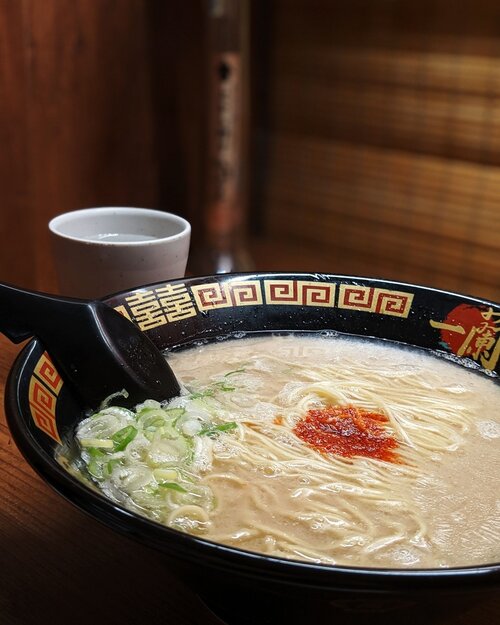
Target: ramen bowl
column 43, row 412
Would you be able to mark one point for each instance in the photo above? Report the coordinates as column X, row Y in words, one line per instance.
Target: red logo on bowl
column 470, row 331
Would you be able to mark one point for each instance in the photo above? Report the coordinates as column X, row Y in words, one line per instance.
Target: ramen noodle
column 326, row 449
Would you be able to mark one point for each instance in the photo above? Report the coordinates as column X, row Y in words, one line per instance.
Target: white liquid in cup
column 119, row 237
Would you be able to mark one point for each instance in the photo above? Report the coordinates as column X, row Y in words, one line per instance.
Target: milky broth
column 439, row 507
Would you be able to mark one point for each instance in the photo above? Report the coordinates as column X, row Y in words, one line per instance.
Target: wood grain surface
column 76, row 120
column 374, row 130
column 60, row 566
column 383, row 134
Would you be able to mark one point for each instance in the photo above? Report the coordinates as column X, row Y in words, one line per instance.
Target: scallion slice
column 213, row 430
column 123, row 437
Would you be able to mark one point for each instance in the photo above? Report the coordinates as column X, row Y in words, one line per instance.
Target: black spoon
column 96, row 350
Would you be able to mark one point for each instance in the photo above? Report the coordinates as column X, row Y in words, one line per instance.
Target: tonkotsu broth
column 246, row 478
column 440, row 508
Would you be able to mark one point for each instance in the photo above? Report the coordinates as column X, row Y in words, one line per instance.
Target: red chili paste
column 348, row 431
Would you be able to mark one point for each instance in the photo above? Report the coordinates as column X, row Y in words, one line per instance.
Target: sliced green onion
column 233, row 372
column 105, row 402
column 149, row 434
column 168, row 431
column 165, row 474
column 222, row 386
column 94, row 452
column 123, row 437
column 173, row 486
column 110, row 465
column 95, row 469
column 152, row 423
column 209, row 392
column 174, row 413
column 98, row 443
column 215, row 429
column 164, row 481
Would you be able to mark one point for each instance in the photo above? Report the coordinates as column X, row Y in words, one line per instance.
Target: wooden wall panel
column 178, row 39
column 384, row 132
column 17, row 260
column 375, row 127
column 411, row 119
column 79, row 107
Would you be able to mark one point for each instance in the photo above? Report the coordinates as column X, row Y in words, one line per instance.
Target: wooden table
column 60, row 567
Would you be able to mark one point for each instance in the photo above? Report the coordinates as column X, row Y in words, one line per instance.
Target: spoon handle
column 94, row 348
column 24, row 312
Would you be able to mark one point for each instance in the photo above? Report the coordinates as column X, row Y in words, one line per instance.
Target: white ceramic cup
column 100, row 251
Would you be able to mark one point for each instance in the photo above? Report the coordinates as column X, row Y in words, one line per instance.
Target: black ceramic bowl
column 42, row 413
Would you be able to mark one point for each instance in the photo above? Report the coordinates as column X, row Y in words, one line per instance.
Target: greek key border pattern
column 44, row 388
column 171, row 303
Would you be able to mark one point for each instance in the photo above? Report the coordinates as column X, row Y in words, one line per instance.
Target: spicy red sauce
column 348, row 431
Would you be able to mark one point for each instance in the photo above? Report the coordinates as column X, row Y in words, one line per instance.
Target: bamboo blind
column 384, row 125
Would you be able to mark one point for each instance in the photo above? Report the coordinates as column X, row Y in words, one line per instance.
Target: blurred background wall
column 373, row 133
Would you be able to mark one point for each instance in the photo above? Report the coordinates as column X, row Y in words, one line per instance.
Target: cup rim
column 63, row 218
